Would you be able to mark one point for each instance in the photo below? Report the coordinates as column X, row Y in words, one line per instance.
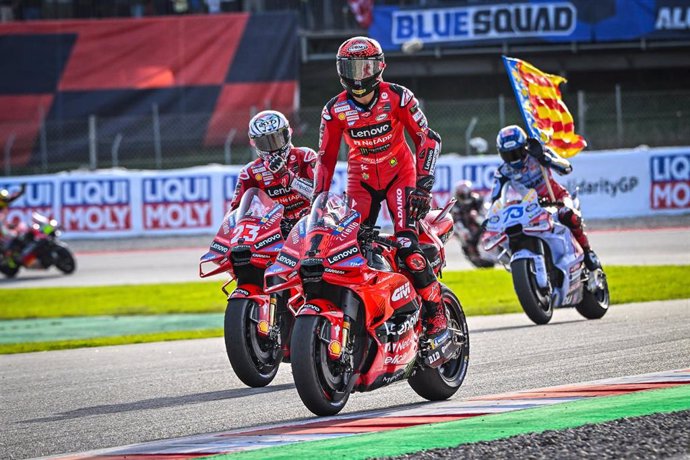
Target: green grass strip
column 482, row 292
column 106, row 341
column 480, row 428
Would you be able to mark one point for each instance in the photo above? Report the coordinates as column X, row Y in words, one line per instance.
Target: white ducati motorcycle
column 545, row 260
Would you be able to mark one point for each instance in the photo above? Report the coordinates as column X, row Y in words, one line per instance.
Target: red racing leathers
column 291, row 187
column 381, row 166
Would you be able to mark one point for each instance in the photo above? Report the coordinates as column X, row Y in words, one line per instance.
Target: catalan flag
column 542, row 107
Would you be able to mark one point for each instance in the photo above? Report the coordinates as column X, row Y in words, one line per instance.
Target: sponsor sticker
column 371, row 131
column 344, row 254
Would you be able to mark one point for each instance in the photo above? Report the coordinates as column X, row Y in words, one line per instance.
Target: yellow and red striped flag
column 542, row 107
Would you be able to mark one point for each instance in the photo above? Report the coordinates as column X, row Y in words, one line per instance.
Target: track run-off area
column 169, row 260
column 71, row 401
column 82, row 400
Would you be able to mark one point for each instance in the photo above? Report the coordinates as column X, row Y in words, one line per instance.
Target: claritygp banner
column 193, row 201
column 532, row 21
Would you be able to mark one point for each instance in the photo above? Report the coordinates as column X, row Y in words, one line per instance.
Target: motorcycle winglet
column 210, row 257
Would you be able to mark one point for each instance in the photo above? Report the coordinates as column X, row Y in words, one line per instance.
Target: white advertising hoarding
column 102, row 204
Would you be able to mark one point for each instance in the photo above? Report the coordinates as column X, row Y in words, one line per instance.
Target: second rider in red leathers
column 284, row 172
column 373, row 116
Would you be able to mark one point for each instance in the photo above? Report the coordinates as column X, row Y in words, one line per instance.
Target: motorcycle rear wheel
column 437, row 384
column 252, row 357
column 595, row 304
column 321, row 387
column 536, row 304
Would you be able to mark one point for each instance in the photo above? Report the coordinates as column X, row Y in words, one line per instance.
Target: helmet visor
column 272, row 141
column 359, row 69
column 511, row 156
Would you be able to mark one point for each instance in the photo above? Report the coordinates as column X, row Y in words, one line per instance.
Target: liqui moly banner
column 623, row 183
column 39, row 196
column 176, row 202
column 96, row 205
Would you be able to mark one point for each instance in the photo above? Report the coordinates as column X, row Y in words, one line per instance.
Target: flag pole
column 533, row 132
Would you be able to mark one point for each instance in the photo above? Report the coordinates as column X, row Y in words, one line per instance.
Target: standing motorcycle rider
column 284, row 172
column 524, row 158
column 372, row 116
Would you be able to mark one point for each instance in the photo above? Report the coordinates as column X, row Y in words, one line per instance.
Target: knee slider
column 415, row 262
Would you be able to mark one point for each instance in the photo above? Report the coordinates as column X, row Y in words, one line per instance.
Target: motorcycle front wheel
column 536, row 304
column 437, row 384
column 320, row 382
column 64, row 260
column 253, row 358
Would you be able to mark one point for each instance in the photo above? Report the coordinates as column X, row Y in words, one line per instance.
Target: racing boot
column 591, row 260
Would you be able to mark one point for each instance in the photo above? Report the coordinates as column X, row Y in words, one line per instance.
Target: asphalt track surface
column 166, row 260
column 77, row 400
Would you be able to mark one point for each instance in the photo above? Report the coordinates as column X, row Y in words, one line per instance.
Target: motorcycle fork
column 267, row 318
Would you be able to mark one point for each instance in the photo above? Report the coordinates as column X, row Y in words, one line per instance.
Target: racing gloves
column 419, row 201
column 276, row 164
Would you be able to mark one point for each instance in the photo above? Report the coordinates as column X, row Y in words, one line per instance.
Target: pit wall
column 122, row 203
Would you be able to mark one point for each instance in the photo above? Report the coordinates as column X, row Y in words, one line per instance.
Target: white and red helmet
column 360, row 64
column 270, row 134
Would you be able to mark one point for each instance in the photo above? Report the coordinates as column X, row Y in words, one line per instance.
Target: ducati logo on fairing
column 401, row 293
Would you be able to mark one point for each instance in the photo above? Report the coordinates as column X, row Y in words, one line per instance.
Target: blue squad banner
column 532, row 21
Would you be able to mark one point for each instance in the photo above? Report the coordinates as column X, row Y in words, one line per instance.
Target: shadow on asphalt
column 523, row 326
column 159, row 403
column 20, row 278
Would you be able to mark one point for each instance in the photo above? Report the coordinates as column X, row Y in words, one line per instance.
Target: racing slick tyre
column 436, row 384
column 535, row 302
column 64, row 260
column 320, row 382
column 595, row 304
column 253, row 358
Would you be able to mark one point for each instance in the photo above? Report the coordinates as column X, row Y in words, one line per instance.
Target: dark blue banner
column 531, row 21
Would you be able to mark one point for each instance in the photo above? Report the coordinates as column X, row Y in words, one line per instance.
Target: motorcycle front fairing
column 531, row 220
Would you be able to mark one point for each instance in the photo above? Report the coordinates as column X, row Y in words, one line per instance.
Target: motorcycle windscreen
column 257, row 205
column 332, row 230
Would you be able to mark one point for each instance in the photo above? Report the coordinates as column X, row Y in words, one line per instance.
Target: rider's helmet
column 511, row 144
column 270, row 134
column 360, row 65
column 463, row 191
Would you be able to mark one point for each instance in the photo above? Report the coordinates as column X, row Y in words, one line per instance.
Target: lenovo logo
column 367, row 132
column 343, row 254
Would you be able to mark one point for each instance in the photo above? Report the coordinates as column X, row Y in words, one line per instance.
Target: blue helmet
column 511, row 143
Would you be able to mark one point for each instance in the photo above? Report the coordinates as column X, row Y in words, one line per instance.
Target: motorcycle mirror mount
column 446, row 209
